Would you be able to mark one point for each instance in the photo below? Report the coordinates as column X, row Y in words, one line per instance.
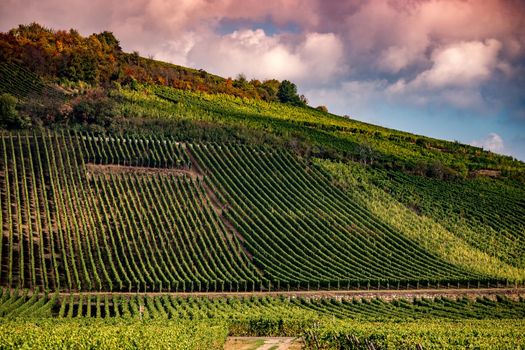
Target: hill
column 116, row 91
column 123, row 175
column 150, row 214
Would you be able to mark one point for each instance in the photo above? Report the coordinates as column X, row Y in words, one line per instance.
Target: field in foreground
column 168, row 322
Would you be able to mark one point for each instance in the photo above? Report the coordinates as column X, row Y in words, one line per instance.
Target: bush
column 95, row 108
column 9, row 116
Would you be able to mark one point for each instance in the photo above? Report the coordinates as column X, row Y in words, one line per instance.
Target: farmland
column 323, row 322
column 141, row 214
column 123, row 216
column 80, row 213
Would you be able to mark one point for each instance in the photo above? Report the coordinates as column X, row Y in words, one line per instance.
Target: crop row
column 14, row 304
column 299, row 227
column 65, row 229
column 132, row 151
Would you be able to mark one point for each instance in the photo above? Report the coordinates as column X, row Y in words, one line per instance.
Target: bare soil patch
column 487, row 172
column 100, row 169
column 262, row 343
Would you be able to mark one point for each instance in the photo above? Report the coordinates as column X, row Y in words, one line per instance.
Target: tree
column 287, row 93
column 109, row 39
column 303, row 99
column 271, row 87
column 94, row 108
column 240, row 82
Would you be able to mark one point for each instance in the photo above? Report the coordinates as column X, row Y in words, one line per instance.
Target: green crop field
column 84, row 213
column 109, row 320
column 99, row 213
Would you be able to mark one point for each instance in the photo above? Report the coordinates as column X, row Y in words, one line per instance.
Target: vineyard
column 288, row 212
column 324, row 323
column 101, row 232
column 82, row 213
column 18, row 304
column 465, row 230
column 22, row 83
column 487, row 214
column 309, row 131
column 68, row 226
column 145, row 205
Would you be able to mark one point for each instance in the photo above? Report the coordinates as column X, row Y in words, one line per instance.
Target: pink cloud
column 461, row 64
column 387, row 35
column 492, row 142
column 258, row 55
column 420, row 50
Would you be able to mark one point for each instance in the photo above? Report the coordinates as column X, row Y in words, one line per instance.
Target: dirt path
column 387, row 294
column 260, row 343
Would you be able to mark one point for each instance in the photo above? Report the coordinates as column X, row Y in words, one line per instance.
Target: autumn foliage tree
column 99, row 60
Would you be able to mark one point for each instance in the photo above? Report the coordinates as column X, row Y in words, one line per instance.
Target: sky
column 449, row 69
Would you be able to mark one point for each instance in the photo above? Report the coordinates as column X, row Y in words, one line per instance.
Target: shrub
column 94, row 108
column 9, row 116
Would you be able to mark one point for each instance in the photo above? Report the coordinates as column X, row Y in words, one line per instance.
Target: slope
column 83, row 212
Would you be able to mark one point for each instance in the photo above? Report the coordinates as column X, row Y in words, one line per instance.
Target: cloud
column 314, row 57
column 395, row 58
column 455, row 76
column 493, row 142
column 461, row 64
column 374, row 37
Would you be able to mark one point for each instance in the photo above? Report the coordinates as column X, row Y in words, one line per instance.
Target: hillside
column 65, row 80
column 131, row 176
column 84, row 212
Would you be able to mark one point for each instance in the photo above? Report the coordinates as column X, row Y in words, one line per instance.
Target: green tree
column 109, row 39
column 287, row 93
column 241, row 82
column 271, row 87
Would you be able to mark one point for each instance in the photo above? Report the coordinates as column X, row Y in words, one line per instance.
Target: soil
column 386, row 294
column 261, row 343
column 99, row 169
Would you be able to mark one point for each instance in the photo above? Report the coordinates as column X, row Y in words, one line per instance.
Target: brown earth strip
column 387, row 294
column 100, row 169
column 263, row 343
